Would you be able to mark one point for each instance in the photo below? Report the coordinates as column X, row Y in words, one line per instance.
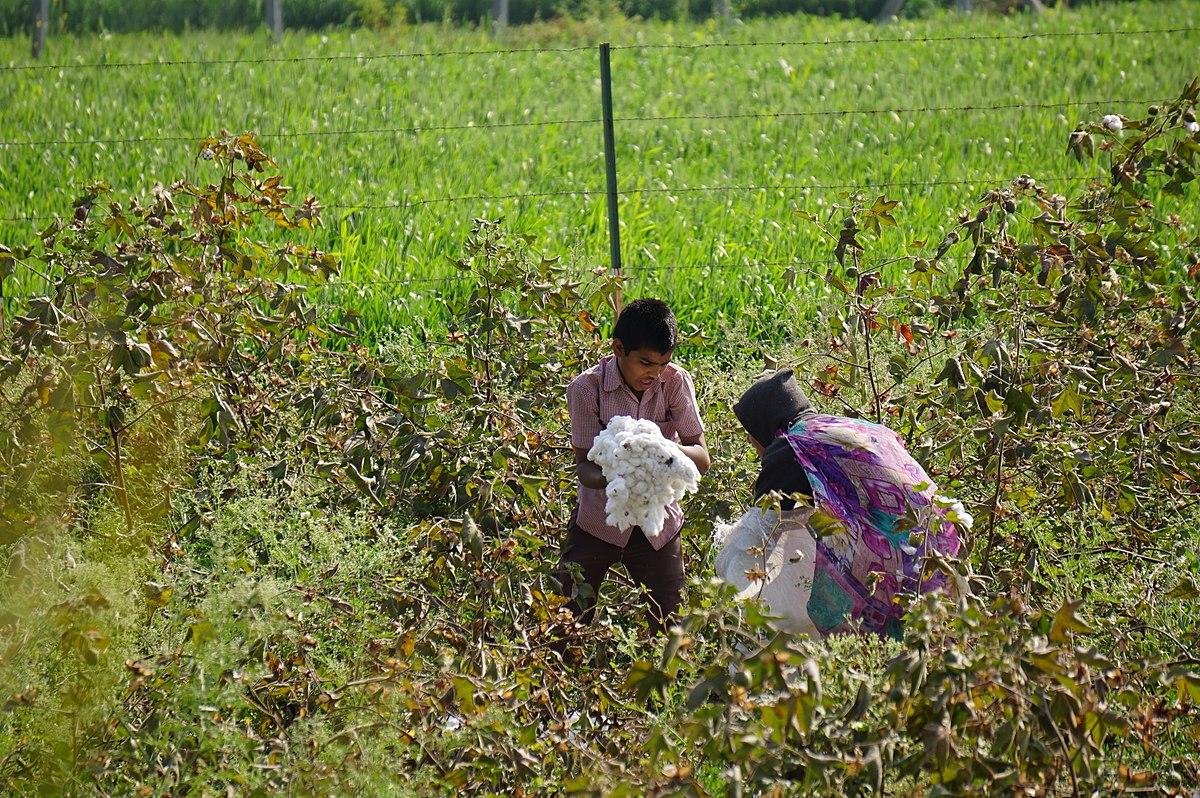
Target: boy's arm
column 583, row 408
column 590, row 474
column 686, row 412
column 696, row 450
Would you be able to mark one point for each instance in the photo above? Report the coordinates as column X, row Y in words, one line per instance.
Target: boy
column 637, row 380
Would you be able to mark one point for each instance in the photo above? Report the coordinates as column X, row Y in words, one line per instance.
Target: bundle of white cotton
column 646, row 473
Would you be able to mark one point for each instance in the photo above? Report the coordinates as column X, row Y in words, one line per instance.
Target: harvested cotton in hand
column 646, row 473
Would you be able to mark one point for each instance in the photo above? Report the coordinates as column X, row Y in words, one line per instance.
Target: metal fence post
column 610, row 166
column 889, row 11
column 499, row 16
column 276, row 7
column 41, row 21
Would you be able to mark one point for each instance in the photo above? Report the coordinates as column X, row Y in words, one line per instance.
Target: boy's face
column 640, row 367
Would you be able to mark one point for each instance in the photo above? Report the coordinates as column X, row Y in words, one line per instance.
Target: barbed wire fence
column 606, row 119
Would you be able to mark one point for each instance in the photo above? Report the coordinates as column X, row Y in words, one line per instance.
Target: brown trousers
column 659, row 573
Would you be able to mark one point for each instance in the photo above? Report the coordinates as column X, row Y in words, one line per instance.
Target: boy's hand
column 696, row 450
column 591, row 475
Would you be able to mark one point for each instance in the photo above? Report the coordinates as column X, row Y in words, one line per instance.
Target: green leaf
column 1074, row 489
column 533, row 486
column 1046, row 658
column 1020, row 403
column 645, row 680
column 201, row 631
column 410, row 386
column 156, row 595
column 823, row 524
column 713, row 685
column 365, row 484
column 472, row 537
column 1170, row 353
column 1003, row 739
column 1187, row 682
column 1186, row 590
column 91, row 643
column 837, row 283
column 1066, row 621
column 464, row 692
column 453, row 390
column 952, row 372
column 994, row 351
column 862, row 702
column 879, row 215
column 1070, row 399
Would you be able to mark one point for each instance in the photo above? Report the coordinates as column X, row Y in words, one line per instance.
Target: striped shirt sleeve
column 683, row 408
column 583, row 406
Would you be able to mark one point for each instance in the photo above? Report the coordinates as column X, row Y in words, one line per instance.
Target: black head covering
column 770, row 404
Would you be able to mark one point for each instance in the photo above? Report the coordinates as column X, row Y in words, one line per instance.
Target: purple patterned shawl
column 876, row 521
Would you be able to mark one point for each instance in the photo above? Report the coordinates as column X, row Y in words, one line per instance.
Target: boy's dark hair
column 647, row 324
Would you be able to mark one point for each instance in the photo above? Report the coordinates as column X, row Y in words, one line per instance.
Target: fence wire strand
column 804, row 266
column 359, row 57
column 908, row 39
column 471, row 126
column 586, row 192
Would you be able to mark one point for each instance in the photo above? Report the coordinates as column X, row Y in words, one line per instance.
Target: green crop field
column 721, row 131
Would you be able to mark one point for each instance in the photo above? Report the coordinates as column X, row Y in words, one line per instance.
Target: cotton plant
column 646, row 473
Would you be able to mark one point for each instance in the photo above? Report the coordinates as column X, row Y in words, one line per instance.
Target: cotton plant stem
column 1063, row 745
column 985, row 565
column 118, row 459
column 875, row 397
column 115, row 431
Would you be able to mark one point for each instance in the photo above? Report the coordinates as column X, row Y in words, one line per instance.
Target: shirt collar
column 611, row 379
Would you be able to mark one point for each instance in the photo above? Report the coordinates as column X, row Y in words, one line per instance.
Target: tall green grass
column 721, row 132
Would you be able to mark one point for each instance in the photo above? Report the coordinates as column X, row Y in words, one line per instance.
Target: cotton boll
column 646, row 473
column 656, row 518
column 956, row 512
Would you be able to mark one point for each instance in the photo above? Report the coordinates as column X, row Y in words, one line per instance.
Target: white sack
column 781, row 546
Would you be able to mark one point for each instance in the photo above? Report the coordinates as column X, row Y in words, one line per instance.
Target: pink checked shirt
column 598, row 394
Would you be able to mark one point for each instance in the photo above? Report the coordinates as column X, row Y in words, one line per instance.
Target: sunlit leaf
column 1067, row 621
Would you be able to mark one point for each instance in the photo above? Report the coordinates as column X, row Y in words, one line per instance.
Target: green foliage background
column 97, row 16
column 718, row 139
